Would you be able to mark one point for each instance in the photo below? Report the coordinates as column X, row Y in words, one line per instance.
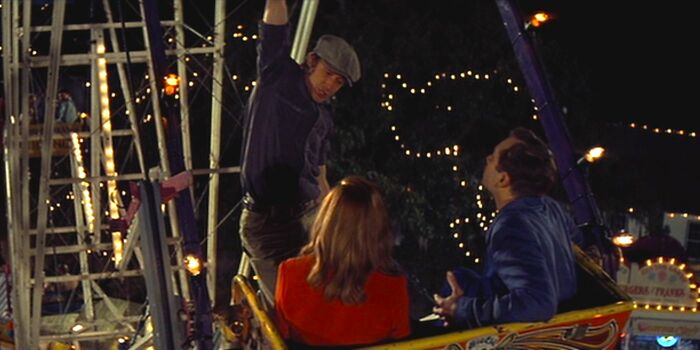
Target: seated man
column 529, row 262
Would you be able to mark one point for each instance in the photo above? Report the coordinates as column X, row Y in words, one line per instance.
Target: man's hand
column 446, row 307
column 275, row 12
column 323, row 185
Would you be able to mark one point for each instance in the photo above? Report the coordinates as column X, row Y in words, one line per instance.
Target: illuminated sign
column 661, row 283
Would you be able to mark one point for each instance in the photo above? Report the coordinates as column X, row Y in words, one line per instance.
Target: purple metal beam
column 585, row 209
column 203, row 322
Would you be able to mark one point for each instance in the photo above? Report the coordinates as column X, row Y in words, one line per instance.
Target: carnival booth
column 665, row 314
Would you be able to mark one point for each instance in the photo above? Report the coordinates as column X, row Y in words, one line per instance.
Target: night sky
column 646, row 73
column 641, row 55
column 642, row 70
column 649, row 71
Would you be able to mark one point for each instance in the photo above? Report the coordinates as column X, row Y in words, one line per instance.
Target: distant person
column 287, row 128
column 66, row 111
column 529, row 265
column 345, row 288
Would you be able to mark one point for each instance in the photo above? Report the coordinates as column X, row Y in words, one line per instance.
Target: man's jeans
column 270, row 237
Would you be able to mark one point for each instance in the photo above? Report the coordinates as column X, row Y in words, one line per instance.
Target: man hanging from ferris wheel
column 287, row 125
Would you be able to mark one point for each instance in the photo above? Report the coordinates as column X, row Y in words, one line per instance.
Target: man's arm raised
column 323, row 182
column 275, row 12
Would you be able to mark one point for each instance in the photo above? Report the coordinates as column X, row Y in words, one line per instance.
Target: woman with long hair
column 345, row 288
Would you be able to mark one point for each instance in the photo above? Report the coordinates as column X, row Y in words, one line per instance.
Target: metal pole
column 185, row 127
column 59, row 9
column 182, row 73
column 157, row 273
column 17, row 55
column 19, row 298
column 95, row 140
column 183, row 204
column 585, row 209
column 137, row 56
column 17, row 120
column 215, row 145
column 126, row 89
column 8, row 42
column 304, row 27
column 24, row 173
column 156, row 74
column 82, row 235
column 16, row 232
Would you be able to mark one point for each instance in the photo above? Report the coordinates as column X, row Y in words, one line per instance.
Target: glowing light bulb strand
column 665, row 131
column 389, row 98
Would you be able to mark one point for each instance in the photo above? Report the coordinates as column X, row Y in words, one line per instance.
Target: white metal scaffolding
column 75, row 159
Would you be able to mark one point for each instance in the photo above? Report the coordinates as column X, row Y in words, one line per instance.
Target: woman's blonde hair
column 351, row 238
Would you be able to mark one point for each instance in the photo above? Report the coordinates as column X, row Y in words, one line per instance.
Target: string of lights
column 110, row 167
column 451, row 152
column 390, row 98
column 683, row 215
column 85, row 197
column 665, row 131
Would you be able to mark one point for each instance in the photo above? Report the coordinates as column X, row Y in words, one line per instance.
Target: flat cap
column 340, row 56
